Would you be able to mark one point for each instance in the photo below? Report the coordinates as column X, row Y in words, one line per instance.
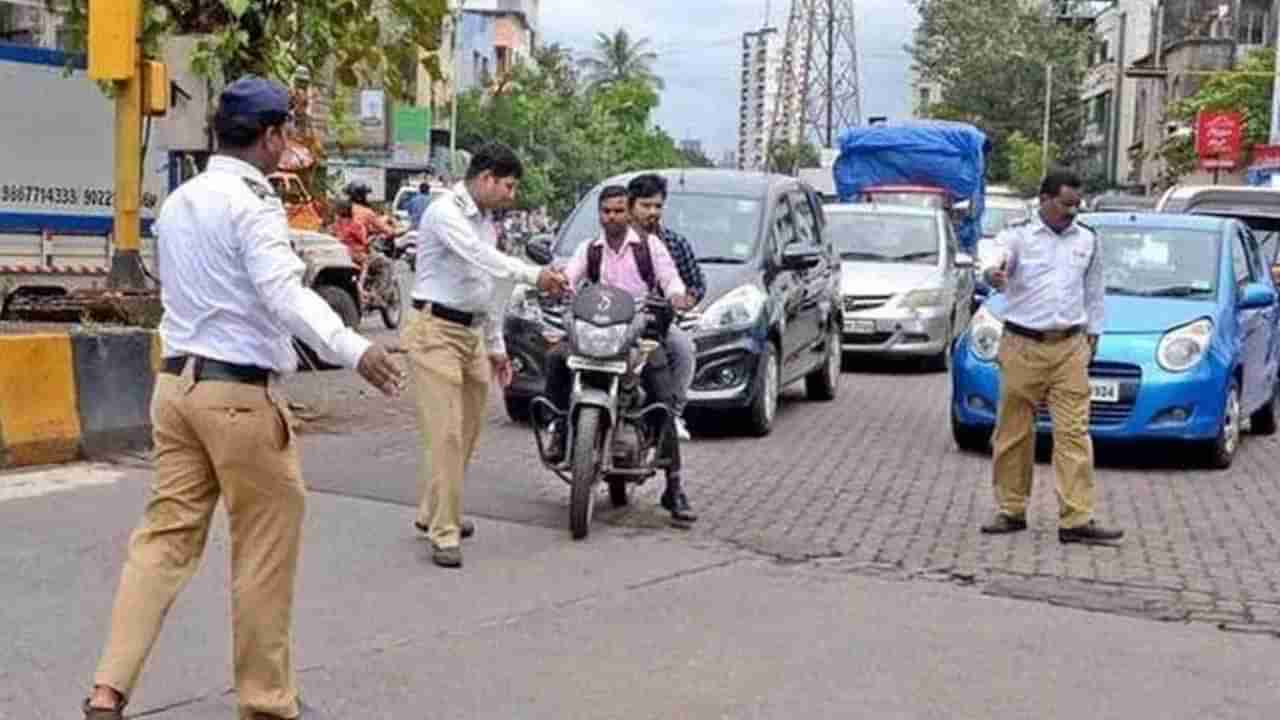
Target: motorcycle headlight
column 984, row 335
column 924, row 298
column 600, row 342
column 1182, row 348
column 524, row 304
column 739, row 308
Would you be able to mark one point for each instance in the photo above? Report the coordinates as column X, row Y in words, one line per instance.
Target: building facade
column 494, row 36
column 761, row 72
column 1121, row 34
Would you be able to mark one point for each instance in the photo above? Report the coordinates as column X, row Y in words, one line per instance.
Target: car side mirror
column 964, row 260
column 539, row 250
column 1255, row 296
column 800, row 257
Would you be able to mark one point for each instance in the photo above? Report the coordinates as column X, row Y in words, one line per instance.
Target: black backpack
column 644, row 263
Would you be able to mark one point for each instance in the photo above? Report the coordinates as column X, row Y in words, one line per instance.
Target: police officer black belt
column 1043, row 335
column 444, row 312
column 217, row 371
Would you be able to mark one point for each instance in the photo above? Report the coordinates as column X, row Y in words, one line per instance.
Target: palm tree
column 617, row 59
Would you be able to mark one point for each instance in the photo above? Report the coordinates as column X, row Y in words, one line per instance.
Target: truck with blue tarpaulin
column 941, row 163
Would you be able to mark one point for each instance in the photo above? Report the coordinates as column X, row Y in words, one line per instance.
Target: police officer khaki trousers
column 450, row 366
column 234, row 441
column 1056, row 372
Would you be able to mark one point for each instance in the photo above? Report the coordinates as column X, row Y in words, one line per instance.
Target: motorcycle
column 378, row 282
column 611, row 433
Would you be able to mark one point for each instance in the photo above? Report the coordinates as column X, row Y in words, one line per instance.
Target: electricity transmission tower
column 818, row 90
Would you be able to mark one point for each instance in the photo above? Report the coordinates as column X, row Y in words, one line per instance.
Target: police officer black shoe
column 675, row 502
column 1091, row 533
column 93, row 713
column 1003, row 524
column 466, row 529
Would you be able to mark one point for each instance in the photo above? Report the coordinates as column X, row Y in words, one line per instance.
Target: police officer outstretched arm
column 454, row 335
column 233, row 301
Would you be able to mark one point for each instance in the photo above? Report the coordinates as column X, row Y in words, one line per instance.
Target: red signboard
column 1266, row 156
column 1218, row 139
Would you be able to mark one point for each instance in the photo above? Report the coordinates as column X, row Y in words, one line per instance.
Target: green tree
column 992, row 74
column 618, row 58
column 696, row 158
column 1246, row 90
column 1026, row 168
column 279, row 38
column 787, row 158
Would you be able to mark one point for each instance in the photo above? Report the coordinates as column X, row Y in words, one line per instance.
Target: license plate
column 1104, row 391
column 577, row 362
column 862, row 327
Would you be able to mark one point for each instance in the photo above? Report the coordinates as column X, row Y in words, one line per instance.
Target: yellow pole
column 126, row 263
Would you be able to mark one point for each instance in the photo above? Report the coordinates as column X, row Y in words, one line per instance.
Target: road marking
column 17, row 486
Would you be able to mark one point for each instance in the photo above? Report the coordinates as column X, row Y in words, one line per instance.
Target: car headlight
column 600, row 342
column 984, row 335
column 524, row 303
column 924, row 298
column 1182, row 348
column 739, row 308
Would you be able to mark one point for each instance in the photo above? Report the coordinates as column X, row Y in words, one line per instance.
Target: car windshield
column 1159, row 262
column 721, row 228
column 885, row 237
column 995, row 219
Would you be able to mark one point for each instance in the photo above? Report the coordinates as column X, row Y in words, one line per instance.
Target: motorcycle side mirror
column 539, row 250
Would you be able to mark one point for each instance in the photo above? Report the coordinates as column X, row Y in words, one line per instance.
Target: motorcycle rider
column 639, row 265
column 352, row 234
column 356, row 235
column 375, row 224
column 647, row 197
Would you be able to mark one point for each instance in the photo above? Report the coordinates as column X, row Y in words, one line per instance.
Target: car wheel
column 517, row 409
column 1222, row 450
column 1263, row 420
column 970, row 439
column 823, row 384
column 764, row 407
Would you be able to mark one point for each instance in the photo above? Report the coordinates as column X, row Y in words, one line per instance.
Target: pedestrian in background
column 454, row 335
column 1051, row 272
column 233, row 300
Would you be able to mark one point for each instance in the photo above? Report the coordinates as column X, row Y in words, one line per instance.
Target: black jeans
column 659, row 383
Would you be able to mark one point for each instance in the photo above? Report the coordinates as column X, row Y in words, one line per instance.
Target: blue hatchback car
column 1190, row 349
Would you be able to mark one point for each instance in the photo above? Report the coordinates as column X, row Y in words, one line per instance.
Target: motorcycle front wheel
column 586, row 460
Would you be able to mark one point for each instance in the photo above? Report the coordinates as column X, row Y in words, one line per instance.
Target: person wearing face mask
column 1050, row 270
column 233, row 301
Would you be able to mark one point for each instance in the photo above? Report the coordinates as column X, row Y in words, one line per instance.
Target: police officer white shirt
column 1054, row 279
column 459, row 264
column 231, row 283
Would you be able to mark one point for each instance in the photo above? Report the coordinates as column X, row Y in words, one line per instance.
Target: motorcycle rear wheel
column 586, row 460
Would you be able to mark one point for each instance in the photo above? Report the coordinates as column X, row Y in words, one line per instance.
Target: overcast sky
column 699, row 43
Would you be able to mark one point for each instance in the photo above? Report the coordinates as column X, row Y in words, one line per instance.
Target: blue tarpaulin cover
column 948, row 155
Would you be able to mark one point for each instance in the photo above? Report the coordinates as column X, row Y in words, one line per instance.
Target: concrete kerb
column 76, row 394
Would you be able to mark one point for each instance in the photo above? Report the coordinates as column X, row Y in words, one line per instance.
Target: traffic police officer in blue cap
column 233, row 300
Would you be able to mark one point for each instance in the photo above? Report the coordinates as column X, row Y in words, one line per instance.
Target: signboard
column 1266, row 156
column 1218, row 139
column 371, row 104
column 411, row 135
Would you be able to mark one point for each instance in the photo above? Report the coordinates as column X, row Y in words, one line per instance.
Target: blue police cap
column 256, row 97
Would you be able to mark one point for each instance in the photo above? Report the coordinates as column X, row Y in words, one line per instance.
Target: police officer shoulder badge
column 262, row 190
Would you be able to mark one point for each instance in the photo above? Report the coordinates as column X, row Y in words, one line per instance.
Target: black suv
column 772, row 312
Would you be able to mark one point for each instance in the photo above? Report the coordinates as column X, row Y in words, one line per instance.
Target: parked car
column 1002, row 210
column 1257, row 207
column 772, row 312
column 1190, row 347
column 907, row 289
column 1120, row 202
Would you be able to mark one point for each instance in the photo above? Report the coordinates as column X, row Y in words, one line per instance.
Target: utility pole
column 1274, row 135
column 831, row 64
column 453, row 101
column 818, row 83
column 1048, row 114
column 1117, row 102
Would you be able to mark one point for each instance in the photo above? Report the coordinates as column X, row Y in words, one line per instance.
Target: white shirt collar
column 633, row 238
column 236, row 166
column 469, row 206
